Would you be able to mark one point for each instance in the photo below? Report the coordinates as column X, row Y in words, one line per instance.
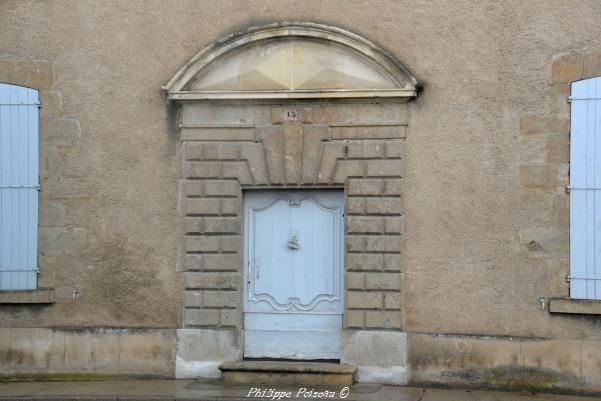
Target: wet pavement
column 215, row 390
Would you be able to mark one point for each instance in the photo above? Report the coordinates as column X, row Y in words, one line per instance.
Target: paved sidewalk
column 214, row 390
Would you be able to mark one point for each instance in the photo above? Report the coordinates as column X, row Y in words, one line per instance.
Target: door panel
column 293, row 251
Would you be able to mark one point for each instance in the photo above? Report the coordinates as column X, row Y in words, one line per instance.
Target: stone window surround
column 566, row 68
column 56, row 132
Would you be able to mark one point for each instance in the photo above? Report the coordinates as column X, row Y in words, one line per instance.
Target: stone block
column 201, row 317
column 393, row 225
column 33, row 349
column 364, row 300
column 52, row 162
column 217, row 134
column 545, row 176
column 52, row 214
column 194, row 243
column 91, row 350
column 541, row 241
column 202, row 206
column 192, row 298
column 557, row 268
column 592, row 65
column 355, row 281
column 354, row 319
column 150, row 352
column 231, row 243
column 222, row 225
column 559, row 359
column 255, row 157
column 238, row 170
column 192, row 187
column 221, row 188
column 567, row 68
column 231, row 206
column 313, row 137
column 230, row 115
column 60, row 241
column 197, row 169
column 354, row 243
column 192, row 261
column 212, row 280
column 365, row 150
column 590, row 355
column 354, row 206
column 199, row 352
column 194, row 151
column 229, row 151
column 382, row 243
column 384, row 168
column 364, row 262
column 380, row 356
column 559, row 100
column 369, row 187
column 392, row 300
column 383, row 281
column 230, row 318
column 367, row 132
column 552, row 124
column 293, row 146
column 558, row 149
column 348, row 168
column 331, row 152
column 66, row 132
column 364, row 224
column 51, row 104
column 464, row 360
column 31, row 73
column 229, row 261
column 383, row 319
column 360, row 114
column 394, row 149
column 202, row 280
column 392, row 262
column 220, row 299
column 384, row 206
column 273, row 143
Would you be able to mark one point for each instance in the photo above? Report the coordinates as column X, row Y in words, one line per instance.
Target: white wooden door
column 293, row 256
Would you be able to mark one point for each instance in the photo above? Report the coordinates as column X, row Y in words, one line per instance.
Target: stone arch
column 292, row 61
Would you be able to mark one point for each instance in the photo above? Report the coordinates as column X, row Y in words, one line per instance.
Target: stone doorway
column 243, row 128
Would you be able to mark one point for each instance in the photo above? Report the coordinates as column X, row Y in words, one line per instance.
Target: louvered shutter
column 18, row 187
column 585, row 190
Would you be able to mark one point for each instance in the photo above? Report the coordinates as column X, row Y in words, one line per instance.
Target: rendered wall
column 485, row 227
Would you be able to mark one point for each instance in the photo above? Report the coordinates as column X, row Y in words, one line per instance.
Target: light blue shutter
column 585, row 190
column 18, row 187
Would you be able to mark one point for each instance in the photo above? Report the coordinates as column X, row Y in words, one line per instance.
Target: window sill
column 577, row 306
column 39, row 296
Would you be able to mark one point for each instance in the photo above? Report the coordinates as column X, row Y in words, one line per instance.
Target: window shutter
column 19, row 108
column 585, row 190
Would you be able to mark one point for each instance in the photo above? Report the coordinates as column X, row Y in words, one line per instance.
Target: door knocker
column 293, row 240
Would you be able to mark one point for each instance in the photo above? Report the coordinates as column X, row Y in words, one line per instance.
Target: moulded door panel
column 293, row 273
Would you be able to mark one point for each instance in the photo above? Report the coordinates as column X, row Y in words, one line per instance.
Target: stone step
column 287, row 372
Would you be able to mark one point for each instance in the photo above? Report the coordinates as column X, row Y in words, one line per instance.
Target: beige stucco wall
column 469, row 211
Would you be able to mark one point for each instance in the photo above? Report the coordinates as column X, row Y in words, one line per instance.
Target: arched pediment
column 292, row 61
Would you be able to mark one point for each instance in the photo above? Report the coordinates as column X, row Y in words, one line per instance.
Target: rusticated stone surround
column 228, row 148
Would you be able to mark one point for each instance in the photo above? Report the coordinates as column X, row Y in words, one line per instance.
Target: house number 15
column 292, row 114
